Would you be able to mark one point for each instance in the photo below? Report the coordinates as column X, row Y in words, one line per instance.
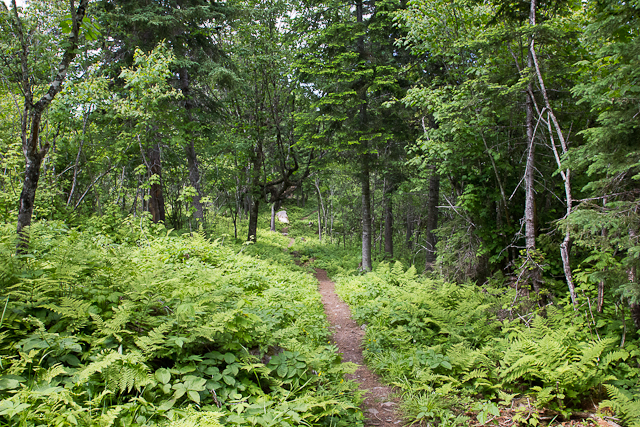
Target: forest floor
column 379, row 406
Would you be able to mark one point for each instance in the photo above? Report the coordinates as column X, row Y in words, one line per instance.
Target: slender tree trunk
column 256, row 193
column 273, row 217
column 432, row 220
column 529, row 184
column 34, row 153
column 253, row 220
column 156, row 202
column 565, row 173
column 235, row 224
column 365, row 184
column 190, row 151
column 366, row 215
column 321, row 208
column 28, row 196
column 388, row 219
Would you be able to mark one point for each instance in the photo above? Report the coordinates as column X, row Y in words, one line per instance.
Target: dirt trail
column 379, row 408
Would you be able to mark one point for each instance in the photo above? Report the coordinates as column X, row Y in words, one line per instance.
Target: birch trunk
column 565, row 173
column 432, row 220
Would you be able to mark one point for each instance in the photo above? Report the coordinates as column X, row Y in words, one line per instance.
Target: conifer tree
column 351, row 70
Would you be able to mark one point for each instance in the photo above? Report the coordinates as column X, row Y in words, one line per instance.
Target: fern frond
column 155, row 340
column 614, row 356
column 476, row 373
column 53, row 372
column 382, row 269
column 627, row 406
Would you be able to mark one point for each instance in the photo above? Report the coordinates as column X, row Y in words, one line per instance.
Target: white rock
column 282, row 217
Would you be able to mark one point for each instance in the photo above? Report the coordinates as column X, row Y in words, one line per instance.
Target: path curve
column 378, row 407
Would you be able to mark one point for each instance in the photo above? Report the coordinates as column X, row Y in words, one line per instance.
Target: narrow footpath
column 379, row 408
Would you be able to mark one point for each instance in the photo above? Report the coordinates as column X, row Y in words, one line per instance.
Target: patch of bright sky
column 19, row 3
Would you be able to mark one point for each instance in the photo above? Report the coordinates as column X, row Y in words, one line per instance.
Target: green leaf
column 194, row 395
column 163, row 375
column 282, row 371
column 167, row 404
column 9, row 382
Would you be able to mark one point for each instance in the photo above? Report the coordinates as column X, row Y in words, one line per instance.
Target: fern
column 624, row 404
column 73, row 312
column 155, row 340
column 121, row 373
column 197, row 419
column 557, row 360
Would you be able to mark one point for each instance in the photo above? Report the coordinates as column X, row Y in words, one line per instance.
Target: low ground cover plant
column 464, row 351
column 132, row 325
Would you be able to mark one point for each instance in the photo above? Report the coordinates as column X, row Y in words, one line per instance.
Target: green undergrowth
column 461, row 349
column 123, row 323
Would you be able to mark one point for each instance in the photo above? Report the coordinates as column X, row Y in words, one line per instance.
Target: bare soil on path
column 379, row 408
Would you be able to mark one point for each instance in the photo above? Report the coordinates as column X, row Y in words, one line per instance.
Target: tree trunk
column 432, row 220
column 156, row 202
column 388, row 219
column 33, row 152
column 321, row 208
column 252, row 236
column 529, row 204
column 366, row 215
column 365, row 185
column 190, row 151
column 28, row 196
column 256, row 192
column 273, row 217
column 566, row 173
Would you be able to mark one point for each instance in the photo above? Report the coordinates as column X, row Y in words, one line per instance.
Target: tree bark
column 321, row 208
column 273, row 217
column 432, row 220
column 156, row 202
column 565, row 173
column 529, row 183
column 256, row 192
column 366, row 216
column 28, row 195
column 31, row 118
column 388, row 219
column 189, row 149
column 252, row 236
